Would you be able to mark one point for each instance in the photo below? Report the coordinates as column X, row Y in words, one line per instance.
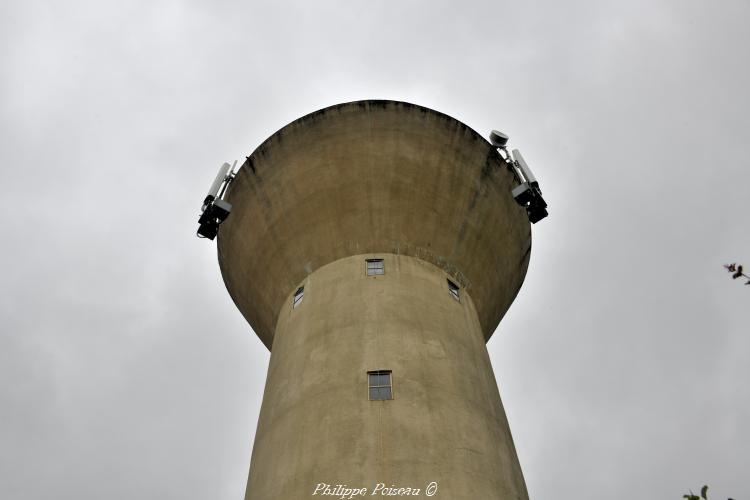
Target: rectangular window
column 453, row 289
column 379, row 385
column 298, row 296
column 375, row 267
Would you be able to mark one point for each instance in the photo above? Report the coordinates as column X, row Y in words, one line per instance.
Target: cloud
column 126, row 369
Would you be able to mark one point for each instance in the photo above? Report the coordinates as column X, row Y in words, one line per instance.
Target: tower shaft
column 432, row 199
column 445, row 423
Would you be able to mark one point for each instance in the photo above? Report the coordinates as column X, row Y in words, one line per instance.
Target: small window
column 453, row 289
column 379, row 385
column 298, row 296
column 375, row 267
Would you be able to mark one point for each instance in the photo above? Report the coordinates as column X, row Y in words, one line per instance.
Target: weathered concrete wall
column 372, row 176
column 446, row 422
column 431, row 197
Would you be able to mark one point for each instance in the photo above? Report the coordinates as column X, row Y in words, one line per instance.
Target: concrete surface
column 372, row 176
column 429, row 195
column 445, row 424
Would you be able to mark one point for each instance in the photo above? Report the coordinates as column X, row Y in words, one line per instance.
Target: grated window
column 375, row 267
column 453, row 289
column 298, row 296
column 379, row 385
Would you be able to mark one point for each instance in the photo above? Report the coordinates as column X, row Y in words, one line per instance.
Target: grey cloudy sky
column 125, row 370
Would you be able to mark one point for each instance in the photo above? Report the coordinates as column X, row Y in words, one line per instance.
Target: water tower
column 373, row 247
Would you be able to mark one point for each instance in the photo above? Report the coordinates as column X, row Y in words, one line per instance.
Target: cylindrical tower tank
column 374, row 247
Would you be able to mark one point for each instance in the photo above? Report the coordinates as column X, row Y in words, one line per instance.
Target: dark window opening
column 379, row 385
column 453, row 289
column 375, row 267
column 298, row 296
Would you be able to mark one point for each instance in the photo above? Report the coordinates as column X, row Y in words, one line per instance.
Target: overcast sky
column 127, row 373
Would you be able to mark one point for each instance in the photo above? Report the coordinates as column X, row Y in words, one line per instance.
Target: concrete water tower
column 374, row 247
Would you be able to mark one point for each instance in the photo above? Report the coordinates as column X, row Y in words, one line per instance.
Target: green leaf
column 704, row 491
